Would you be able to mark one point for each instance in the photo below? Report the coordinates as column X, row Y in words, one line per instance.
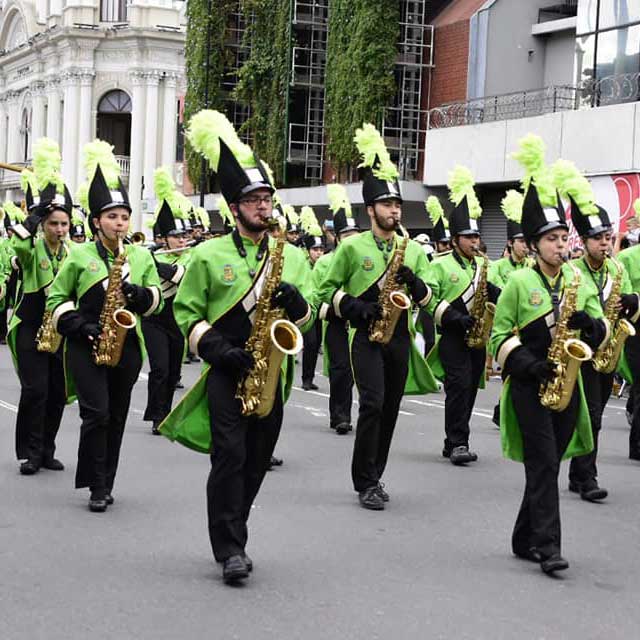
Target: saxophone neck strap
column 554, row 290
column 242, row 252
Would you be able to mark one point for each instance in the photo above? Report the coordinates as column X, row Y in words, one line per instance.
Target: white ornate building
column 76, row 69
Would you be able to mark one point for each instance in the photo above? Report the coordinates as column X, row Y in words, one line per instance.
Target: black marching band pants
column 545, row 436
column 42, row 397
column 340, row 375
column 104, row 394
column 241, row 452
column 165, row 348
column 597, row 389
column 463, row 368
column 380, row 373
column 632, row 353
column 428, row 327
column 311, row 341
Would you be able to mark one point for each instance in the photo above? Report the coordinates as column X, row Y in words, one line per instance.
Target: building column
column 170, row 120
column 53, row 110
column 13, row 131
column 151, row 132
column 136, row 161
column 3, row 129
column 37, row 117
column 86, row 112
column 70, row 130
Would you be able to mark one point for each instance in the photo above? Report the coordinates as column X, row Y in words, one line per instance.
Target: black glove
column 493, row 292
column 417, row 288
column 287, row 297
column 629, row 304
column 165, row 270
column 359, row 312
column 543, row 371
column 89, row 330
column 525, row 366
column 32, row 221
column 580, row 320
column 456, row 321
column 73, row 323
column 220, row 353
column 138, row 298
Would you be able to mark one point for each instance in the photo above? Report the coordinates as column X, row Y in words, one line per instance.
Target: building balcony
column 125, row 164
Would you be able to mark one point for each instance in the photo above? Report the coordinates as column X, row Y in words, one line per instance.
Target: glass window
column 616, row 13
column 618, row 52
column 587, row 11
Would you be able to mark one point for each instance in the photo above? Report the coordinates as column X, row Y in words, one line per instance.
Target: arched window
column 114, row 121
column 25, row 135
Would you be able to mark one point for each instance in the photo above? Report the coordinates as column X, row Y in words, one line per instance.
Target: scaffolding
column 308, row 63
column 404, row 123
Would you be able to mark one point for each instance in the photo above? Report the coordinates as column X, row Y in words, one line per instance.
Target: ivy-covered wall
column 361, row 52
column 199, row 21
column 263, row 80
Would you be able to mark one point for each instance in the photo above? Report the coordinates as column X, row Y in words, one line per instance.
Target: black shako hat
column 440, row 233
column 50, row 198
column 235, row 181
column 460, row 223
column 313, row 242
column 588, row 226
column 537, row 219
column 514, row 230
column 342, row 222
column 101, row 198
column 167, row 225
column 374, row 189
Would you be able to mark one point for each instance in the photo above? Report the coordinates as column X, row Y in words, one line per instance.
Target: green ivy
column 199, row 21
column 263, row 81
column 361, row 52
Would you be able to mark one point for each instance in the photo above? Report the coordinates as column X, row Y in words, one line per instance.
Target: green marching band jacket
column 179, row 262
column 524, row 318
column 219, row 291
column 500, row 270
column 6, row 253
column 358, row 268
column 453, row 281
column 630, row 260
column 82, row 281
column 38, row 268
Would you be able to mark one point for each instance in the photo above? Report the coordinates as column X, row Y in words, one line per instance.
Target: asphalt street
column 435, row 564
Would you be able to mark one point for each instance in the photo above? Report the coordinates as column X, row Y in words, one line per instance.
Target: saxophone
column 115, row 320
column 606, row 358
column 566, row 353
column 272, row 337
column 48, row 339
column 482, row 310
column 392, row 301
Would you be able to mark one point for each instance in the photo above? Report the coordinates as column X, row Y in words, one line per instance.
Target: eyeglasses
column 254, row 201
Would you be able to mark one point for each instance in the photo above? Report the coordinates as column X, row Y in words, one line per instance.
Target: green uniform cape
column 630, row 260
column 217, row 280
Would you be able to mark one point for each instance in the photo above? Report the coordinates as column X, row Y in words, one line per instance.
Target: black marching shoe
column 155, row 429
column 382, row 493
column 234, row 569
column 310, row 386
column 461, row 455
column 98, row 502
column 29, row 467
column 530, row 554
column 249, row 562
column 589, row 491
column 371, row 499
column 343, row 428
column 274, row 462
column 554, row 563
column 53, row 464
column 109, row 499
column 634, row 453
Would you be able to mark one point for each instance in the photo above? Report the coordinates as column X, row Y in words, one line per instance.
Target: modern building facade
column 106, row 68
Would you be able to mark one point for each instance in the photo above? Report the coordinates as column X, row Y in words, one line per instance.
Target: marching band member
column 8, row 264
column 337, row 359
column 601, row 273
column 78, row 232
column 42, row 395
column 87, row 284
column 528, row 311
column 357, row 275
column 162, row 336
column 215, row 308
column 455, row 280
column 313, row 241
column 440, row 232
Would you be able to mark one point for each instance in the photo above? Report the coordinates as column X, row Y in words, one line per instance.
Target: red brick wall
column 451, row 59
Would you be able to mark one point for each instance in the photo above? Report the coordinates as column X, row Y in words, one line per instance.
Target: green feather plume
column 163, row 184
column 46, row 163
column 82, row 196
column 461, row 184
column 636, row 207
column 291, row 214
column 205, row 130
column 309, row 221
column 76, row 217
column 27, row 177
column 203, row 215
column 569, row 181
column 98, row 152
column 511, row 205
column 338, row 199
column 530, row 155
column 434, row 209
column 14, row 212
column 371, row 146
column 269, row 171
column 225, row 212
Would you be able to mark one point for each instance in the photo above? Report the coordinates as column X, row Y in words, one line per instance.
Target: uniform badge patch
column 92, row 266
column 44, row 264
column 228, row 274
column 454, row 277
column 367, row 263
column 535, row 297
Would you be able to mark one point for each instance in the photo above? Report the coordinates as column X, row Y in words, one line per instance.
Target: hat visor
column 176, row 233
column 468, row 232
column 550, row 226
column 254, row 186
column 388, row 196
column 112, row 205
column 597, row 230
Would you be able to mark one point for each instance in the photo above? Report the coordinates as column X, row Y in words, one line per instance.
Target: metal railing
column 125, row 165
column 614, row 89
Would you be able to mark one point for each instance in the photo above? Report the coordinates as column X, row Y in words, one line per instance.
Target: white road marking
column 8, row 406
